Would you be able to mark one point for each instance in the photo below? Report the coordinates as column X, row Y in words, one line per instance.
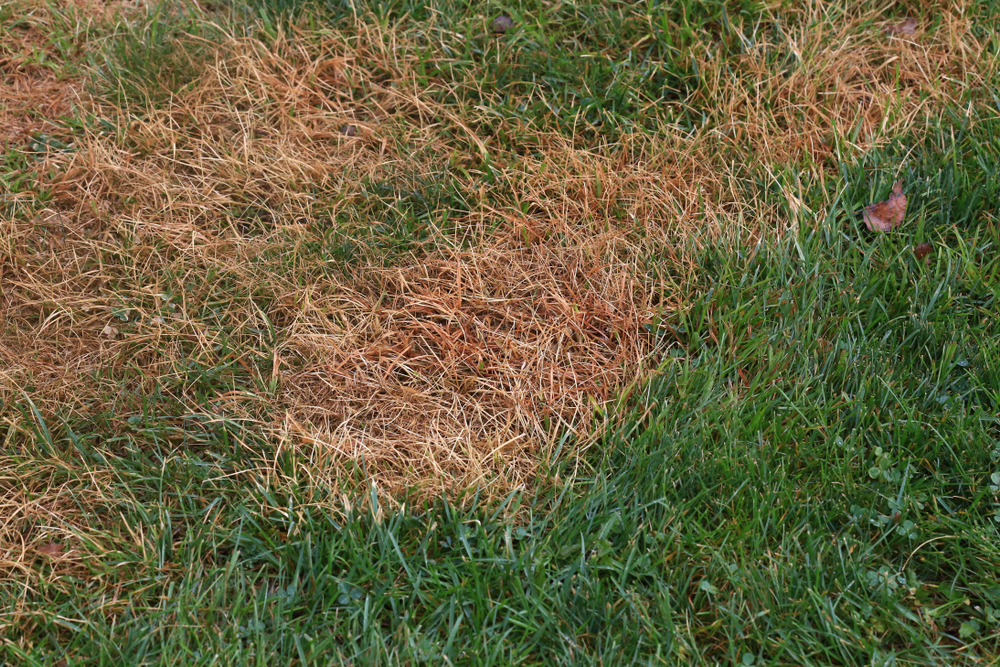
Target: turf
column 796, row 462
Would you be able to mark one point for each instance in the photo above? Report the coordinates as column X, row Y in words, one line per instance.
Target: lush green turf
column 811, row 479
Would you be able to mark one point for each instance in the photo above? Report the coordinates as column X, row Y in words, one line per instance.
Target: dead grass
column 849, row 87
column 32, row 94
column 459, row 366
column 47, row 520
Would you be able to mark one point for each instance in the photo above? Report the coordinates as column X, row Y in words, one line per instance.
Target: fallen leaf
column 109, row 331
column 922, row 251
column 887, row 214
column 51, row 549
column 349, row 131
column 502, row 24
column 907, row 27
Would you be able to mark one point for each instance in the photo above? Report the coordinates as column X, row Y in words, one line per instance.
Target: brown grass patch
column 32, row 94
column 458, row 365
column 847, row 81
column 46, row 520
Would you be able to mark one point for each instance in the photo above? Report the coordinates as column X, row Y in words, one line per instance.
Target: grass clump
column 150, row 57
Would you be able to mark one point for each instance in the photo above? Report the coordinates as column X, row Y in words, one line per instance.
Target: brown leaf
column 109, row 331
column 887, row 214
column 907, row 27
column 51, row 549
column 922, row 251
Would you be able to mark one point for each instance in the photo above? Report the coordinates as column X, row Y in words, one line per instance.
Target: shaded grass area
column 811, row 479
column 590, row 70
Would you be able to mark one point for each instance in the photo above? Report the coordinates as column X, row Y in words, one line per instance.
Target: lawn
column 381, row 332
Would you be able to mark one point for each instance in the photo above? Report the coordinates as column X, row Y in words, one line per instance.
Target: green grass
column 810, row 481
column 148, row 58
column 812, row 478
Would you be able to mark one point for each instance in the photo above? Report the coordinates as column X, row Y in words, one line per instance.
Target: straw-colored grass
column 460, row 364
